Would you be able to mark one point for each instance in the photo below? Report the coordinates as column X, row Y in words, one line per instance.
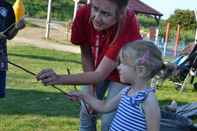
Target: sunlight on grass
column 30, row 106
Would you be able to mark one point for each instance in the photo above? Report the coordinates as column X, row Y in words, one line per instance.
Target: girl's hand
column 74, row 96
column 48, row 77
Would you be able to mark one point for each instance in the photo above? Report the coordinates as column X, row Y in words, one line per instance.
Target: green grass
column 30, row 106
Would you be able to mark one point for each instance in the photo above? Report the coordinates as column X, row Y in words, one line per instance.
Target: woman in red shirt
column 100, row 28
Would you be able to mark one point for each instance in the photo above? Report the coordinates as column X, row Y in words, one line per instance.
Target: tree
column 185, row 18
column 61, row 9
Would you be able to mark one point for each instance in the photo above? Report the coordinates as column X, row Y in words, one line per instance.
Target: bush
column 61, row 9
column 146, row 21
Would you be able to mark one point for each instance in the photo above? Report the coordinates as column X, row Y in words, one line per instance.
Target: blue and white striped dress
column 130, row 115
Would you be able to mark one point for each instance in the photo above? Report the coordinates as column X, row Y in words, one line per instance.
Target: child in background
column 8, row 30
column 137, row 106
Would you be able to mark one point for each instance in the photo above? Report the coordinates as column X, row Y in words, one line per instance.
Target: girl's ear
column 140, row 70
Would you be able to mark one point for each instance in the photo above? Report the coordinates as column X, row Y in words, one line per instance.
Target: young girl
column 137, row 105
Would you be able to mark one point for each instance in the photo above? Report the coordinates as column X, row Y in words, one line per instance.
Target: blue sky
column 167, row 7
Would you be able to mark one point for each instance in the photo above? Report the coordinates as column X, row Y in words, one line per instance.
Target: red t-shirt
column 83, row 32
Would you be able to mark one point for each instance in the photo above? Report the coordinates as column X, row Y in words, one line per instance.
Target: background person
column 8, row 29
column 101, row 28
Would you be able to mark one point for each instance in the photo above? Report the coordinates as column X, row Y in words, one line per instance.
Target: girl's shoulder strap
column 151, row 89
column 141, row 96
column 147, row 91
column 124, row 91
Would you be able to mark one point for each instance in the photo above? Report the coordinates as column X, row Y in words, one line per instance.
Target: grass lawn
column 29, row 106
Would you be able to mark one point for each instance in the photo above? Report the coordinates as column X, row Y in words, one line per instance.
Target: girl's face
column 103, row 14
column 127, row 73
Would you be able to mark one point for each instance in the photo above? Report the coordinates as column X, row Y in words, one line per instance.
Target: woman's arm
column 152, row 113
column 87, row 58
column 95, row 103
column 49, row 77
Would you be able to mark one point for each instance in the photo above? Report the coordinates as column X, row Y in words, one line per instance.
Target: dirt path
column 34, row 36
column 47, row 44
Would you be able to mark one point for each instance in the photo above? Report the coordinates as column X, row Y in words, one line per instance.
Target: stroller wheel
column 195, row 86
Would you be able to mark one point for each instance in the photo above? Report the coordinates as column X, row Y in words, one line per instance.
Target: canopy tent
column 140, row 7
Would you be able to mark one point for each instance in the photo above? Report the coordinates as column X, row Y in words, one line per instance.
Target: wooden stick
column 34, row 74
column 83, row 102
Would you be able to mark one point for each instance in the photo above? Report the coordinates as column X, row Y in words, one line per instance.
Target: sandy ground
column 35, row 36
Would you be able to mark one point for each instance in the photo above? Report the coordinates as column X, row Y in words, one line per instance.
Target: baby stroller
column 186, row 69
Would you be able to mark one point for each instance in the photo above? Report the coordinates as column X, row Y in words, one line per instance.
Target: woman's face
column 103, row 14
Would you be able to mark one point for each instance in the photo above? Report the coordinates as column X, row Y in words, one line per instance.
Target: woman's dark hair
column 120, row 3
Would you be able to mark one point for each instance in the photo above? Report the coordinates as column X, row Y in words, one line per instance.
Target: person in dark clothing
column 8, row 29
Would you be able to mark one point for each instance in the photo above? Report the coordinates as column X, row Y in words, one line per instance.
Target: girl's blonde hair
column 142, row 52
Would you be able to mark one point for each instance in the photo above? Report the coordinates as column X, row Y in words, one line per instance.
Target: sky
column 167, row 7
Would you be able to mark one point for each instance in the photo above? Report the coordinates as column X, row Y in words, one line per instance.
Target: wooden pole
column 195, row 12
column 156, row 36
column 177, row 39
column 75, row 8
column 48, row 20
column 166, row 38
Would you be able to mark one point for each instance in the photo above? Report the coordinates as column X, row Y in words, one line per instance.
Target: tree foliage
column 185, row 18
column 61, row 9
column 146, row 21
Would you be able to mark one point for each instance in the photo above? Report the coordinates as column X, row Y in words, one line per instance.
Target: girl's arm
column 152, row 113
column 96, row 104
column 49, row 77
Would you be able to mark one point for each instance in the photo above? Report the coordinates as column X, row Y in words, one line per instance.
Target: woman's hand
column 48, row 77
